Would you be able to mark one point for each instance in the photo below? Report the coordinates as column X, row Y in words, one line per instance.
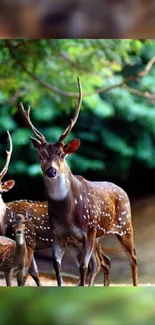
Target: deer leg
column 99, row 259
column 89, row 243
column 76, row 252
column 21, row 278
column 127, row 243
column 95, row 267
column 58, row 249
column 105, row 264
column 33, row 271
column 8, row 278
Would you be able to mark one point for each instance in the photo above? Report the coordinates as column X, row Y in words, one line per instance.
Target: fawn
column 14, row 256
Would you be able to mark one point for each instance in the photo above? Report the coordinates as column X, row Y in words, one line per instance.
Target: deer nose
column 18, row 232
column 51, row 172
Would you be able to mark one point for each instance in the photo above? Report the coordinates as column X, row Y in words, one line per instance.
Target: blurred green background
column 74, row 306
column 116, row 127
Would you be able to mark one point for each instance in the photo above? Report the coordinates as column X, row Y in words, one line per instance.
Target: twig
column 137, row 92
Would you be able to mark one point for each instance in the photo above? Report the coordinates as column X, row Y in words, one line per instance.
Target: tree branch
column 75, row 65
column 102, row 90
column 146, row 94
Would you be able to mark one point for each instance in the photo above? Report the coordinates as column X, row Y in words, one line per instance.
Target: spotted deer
column 80, row 209
column 38, row 235
column 38, row 232
column 5, row 187
column 14, row 255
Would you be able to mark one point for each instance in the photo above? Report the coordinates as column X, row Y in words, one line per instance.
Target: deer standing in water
column 14, row 255
column 38, row 232
column 79, row 209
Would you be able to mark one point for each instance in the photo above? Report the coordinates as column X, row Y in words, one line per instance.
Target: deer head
column 52, row 156
column 6, row 186
column 19, row 220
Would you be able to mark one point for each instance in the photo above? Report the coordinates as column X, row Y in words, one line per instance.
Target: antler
column 26, row 115
column 76, row 114
column 5, row 169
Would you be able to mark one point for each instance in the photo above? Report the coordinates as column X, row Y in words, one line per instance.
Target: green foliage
column 117, row 128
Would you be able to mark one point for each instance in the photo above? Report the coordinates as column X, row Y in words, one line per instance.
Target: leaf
column 100, row 107
column 21, row 137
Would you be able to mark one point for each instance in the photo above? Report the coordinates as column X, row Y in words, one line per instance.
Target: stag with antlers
column 38, row 232
column 80, row 209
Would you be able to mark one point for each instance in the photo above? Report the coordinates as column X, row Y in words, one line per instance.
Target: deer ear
column 8, row 185
column 35, row 142
column 72, row 146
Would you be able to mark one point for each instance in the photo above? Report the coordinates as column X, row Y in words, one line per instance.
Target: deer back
column 38, row 233
column 104, row 206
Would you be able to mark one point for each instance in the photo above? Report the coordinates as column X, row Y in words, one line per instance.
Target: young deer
column 5, row 187
column 14, row 256
column 38, row 232
column 80, row 209
column 38, row 235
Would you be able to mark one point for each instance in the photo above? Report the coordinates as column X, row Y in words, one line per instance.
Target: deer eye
column 42, row 156
column 62, row 155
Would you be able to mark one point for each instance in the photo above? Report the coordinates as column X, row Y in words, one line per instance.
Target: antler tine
column 76, row 114
column 26, row 115
column 9, row 153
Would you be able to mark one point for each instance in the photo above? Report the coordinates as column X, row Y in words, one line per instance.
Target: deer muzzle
column 52, row 172
column 18, row 232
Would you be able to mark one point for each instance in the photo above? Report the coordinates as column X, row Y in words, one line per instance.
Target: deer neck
column 21, row 249
column 20, row 240
column 58, row 189
column 2, row 208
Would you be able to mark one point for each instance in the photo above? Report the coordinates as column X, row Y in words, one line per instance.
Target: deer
column 38, row 235
column 79, row 209
column 5, row 187
column 38, row 232
column 14, row 255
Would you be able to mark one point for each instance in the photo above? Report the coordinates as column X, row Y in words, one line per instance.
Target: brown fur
column 15, row 257
column 78, row 209
column 38, row 235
